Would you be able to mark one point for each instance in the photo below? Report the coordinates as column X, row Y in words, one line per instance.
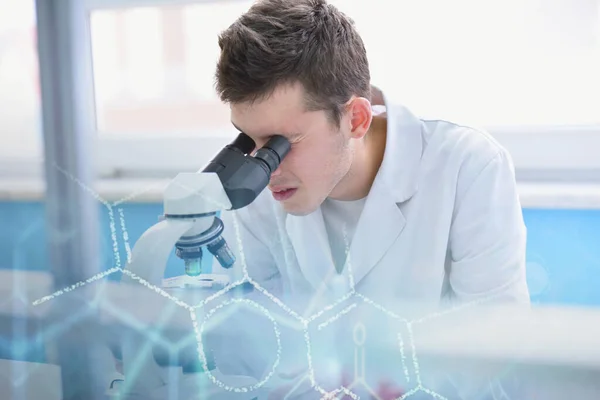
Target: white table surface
column 556, row 335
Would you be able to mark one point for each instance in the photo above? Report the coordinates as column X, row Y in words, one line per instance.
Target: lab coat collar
column 309, row 239
column 403, row 151
column 381, row 221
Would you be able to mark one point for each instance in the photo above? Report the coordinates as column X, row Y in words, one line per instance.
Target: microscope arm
column 232, row 180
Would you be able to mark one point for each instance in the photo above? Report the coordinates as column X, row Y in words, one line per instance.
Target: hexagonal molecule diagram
column 244, row 340
column 349, row 352
column 252, row 341
column 246, row 345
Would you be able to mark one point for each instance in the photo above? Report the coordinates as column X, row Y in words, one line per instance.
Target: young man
column 379, row 202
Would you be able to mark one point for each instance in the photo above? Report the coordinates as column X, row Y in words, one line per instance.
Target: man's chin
column 297, row 211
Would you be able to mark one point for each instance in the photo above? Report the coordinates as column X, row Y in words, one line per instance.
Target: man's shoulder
column 460, row 145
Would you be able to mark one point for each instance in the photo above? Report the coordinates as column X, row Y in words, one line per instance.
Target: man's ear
column 361, row 115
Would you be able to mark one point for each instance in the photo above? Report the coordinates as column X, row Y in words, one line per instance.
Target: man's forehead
column 284, row 99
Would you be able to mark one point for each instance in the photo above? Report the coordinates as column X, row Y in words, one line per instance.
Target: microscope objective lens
column 193, row 267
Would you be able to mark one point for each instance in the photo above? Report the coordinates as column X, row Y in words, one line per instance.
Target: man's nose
column 276, row 173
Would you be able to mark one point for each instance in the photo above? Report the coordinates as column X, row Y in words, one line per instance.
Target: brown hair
column 288, row 41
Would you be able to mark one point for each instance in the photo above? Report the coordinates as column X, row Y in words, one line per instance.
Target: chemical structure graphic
column 358, row 381
column 314, row 326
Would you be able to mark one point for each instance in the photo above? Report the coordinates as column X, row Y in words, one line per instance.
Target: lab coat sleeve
column 241, row 352
column 250, row 250
column 488, row 238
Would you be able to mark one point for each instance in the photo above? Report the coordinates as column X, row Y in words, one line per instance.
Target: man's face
column 321, row 153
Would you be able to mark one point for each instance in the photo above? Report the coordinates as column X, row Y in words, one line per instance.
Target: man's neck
column 368, row 156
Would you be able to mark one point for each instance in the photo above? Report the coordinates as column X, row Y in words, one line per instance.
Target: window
column 20, row 113
column 154, row 69
column 527, row 70
column 491, row 63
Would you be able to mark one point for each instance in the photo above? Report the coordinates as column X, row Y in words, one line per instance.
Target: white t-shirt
column 341, row 218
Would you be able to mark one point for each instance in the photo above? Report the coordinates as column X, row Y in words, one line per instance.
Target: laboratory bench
column 557, row 348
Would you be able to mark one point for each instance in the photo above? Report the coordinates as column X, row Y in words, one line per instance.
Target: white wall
column 526, row 70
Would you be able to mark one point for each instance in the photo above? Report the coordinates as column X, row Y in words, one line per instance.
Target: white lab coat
column 442, row 221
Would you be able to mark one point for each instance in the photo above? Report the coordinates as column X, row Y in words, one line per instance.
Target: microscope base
column 202, row 281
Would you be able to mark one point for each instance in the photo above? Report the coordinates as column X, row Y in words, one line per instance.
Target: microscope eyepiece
column 244, row 143
column 279, row 145
column 243, row 175
column 273, row 152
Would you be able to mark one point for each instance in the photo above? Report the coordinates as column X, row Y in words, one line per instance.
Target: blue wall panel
column 563, row 246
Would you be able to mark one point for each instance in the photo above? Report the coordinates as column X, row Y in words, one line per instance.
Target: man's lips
column 277, row 189
column 282, row 193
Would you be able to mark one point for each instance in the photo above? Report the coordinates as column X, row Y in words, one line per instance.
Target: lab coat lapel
column 380, row 224
column 382, row 220
column 311, row 244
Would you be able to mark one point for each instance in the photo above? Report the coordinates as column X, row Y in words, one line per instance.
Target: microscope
column 190, row 224
column 232, row 180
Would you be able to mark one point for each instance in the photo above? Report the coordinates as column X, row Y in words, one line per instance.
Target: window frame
column 551, row 161
column 547, row 162
column 25, row 159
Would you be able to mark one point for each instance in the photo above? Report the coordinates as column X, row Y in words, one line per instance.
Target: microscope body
column 198, row 198
column 232, row 180
column 190, row 223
